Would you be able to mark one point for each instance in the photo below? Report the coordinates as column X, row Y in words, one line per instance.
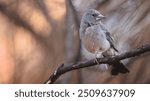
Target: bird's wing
column 109, row 37
column 111, row 41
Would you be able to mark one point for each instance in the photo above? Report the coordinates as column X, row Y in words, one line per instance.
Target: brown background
column 36, row 36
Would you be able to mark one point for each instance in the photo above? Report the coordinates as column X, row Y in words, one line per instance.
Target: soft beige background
column 36, row 36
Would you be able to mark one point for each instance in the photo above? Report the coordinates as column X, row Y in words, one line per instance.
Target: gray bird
column 97, row 41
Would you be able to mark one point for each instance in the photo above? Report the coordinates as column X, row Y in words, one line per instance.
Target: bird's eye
column 94, row 15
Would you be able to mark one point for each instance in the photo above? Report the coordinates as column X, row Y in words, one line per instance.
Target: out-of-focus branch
column 72, row 43
column 17, row 20
column 76, row 17
column 106, row 60
column 77, row 24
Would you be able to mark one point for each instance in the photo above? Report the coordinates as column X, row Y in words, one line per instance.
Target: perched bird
column 97, row 41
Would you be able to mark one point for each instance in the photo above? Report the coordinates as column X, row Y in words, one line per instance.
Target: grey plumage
column 96, row 39
column 109, row 38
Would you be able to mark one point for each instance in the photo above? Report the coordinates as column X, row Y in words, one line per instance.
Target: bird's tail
column 119, row 67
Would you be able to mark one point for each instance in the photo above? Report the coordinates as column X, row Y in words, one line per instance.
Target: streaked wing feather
column 111, row 41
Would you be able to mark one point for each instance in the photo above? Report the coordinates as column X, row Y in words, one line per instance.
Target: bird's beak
column 99, row 17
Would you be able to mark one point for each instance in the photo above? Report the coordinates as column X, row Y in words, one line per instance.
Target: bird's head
column 92, row 17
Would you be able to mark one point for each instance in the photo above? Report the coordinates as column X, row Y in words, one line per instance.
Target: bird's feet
column 97, row 55
column 96, row 60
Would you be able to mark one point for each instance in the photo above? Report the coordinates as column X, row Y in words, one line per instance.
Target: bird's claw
column 96, row 60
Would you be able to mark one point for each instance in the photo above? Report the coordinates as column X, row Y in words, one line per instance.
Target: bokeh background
column 36, row 36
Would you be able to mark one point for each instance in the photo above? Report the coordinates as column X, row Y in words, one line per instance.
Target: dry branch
column 106, row 60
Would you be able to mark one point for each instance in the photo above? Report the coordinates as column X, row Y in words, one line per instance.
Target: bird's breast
column 95, row 43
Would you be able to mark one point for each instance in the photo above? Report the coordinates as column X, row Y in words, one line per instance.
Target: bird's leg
column 96, row 61
column 97, row 55
column 105, row 54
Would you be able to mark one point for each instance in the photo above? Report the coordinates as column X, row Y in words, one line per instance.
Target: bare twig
column 106, row 60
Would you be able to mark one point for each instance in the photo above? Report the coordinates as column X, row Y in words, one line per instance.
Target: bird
column 96, row 40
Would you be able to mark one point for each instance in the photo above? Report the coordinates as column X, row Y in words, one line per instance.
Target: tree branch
column 106, row 60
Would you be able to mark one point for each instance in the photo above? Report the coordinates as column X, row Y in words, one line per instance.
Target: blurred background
column 36, row 36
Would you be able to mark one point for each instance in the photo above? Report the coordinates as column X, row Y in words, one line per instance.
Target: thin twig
column 106, row 60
